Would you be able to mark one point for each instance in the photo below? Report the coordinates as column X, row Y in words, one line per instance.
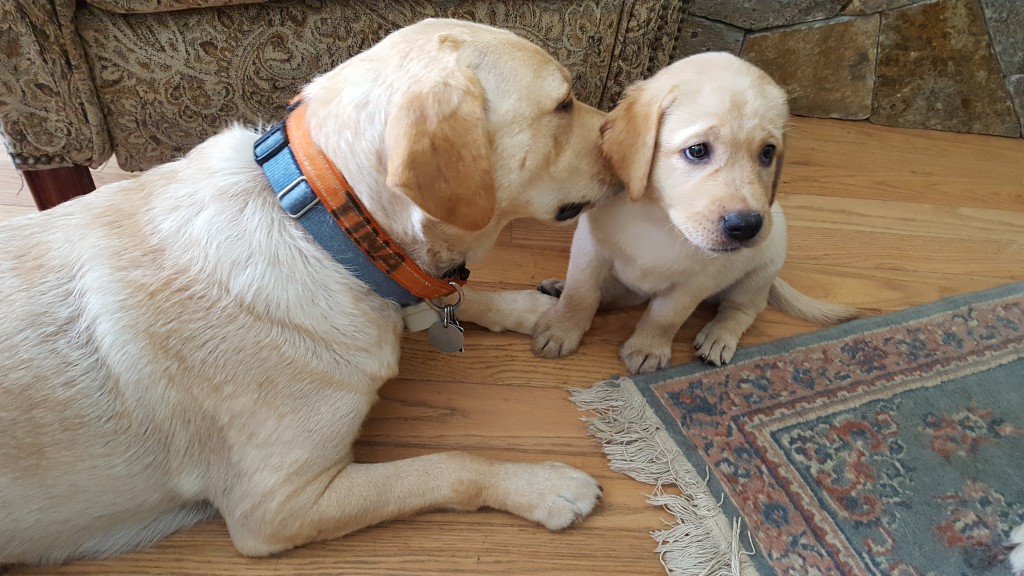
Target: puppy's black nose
column 741, row 226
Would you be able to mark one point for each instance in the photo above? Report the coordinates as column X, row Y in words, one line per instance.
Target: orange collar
column 352, row 217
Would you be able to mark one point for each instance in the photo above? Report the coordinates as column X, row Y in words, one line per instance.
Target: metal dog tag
column 446, row 335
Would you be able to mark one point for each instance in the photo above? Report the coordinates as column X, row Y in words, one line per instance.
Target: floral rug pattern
column 888, row 446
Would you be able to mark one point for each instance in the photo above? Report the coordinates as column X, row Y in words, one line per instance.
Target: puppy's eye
column 767, row 154
column 697, row 152
column 565, row 106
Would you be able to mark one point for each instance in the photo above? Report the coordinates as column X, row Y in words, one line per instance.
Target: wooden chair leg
column 55, row 185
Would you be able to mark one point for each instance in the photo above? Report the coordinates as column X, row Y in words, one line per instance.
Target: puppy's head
column 476, row 125
column 703, row 138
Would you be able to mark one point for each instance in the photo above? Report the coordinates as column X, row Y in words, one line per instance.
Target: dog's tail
column 784, row 297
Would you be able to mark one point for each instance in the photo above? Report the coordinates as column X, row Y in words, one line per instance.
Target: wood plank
column 430, row 545
column 880, row 218
column 8, row 211
column 860, row 160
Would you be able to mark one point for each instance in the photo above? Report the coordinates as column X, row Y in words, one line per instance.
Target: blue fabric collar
column 299, row 202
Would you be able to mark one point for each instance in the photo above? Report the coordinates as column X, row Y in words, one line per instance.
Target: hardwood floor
column 878, row 217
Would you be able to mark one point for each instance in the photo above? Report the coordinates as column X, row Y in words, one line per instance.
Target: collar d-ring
column 438, row 305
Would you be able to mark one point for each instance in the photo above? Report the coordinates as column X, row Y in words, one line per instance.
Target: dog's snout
column 570, row 211
column 742, row 226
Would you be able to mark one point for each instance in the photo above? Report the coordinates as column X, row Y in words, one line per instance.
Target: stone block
column 758, row 14
column 1015, row 84
column 1006, row 27
column 827, row 68
column 701, row 35
column 864, row 7
column 936, row 69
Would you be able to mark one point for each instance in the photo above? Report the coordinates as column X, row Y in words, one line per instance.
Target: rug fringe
column 637, row 445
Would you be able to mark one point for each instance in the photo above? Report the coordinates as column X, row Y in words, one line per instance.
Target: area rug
column 891, row 445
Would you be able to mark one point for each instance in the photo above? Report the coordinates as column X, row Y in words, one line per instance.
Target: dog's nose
column 741, row 226
column 569, row 211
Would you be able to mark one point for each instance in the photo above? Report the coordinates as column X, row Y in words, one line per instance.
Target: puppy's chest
column 649, row 256
column 659, row 269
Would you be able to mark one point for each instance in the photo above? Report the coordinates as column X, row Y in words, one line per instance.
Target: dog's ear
column 778, row 175
column 438, row 149
column 630, row 134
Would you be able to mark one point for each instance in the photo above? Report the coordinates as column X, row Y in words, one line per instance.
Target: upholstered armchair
column 146, row 80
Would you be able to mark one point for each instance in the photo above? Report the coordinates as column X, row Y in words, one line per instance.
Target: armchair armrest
column 50, row 115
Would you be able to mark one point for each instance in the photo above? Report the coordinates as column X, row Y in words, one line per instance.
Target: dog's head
column 704, row 138
column 474, row 125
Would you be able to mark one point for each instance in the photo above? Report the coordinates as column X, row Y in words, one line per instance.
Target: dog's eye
column 767, row 154
column 564, row 106
column 697, row 152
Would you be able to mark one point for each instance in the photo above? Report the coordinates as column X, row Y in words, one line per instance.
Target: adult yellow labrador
column 178, row 345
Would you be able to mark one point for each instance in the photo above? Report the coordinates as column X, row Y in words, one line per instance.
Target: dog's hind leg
column 615, row 295
column 361, row 495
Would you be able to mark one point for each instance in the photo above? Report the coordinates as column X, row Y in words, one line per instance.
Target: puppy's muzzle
column 570, row 211
column 741, row 226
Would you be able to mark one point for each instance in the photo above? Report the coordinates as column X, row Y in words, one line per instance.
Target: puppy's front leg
column 561, row 329
column 361, row 495
column 738, row 306
column 650, row 346
column 501, row 310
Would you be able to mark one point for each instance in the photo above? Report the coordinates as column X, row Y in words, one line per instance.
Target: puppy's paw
column 641, row 357
column 555, row 336
column 715, row 346
column 552, row 287
column 1016, row 551
column 551, row 493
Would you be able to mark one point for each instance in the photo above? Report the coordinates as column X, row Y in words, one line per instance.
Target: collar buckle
column 313, row 193
column 289, row 188
column 275, row 132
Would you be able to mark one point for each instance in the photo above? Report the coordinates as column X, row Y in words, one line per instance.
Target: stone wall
column 953, row 65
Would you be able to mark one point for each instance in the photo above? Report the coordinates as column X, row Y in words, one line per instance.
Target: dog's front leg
column 650, row 346
column 560, row 331
column 738, row 306
column 498, row 311
column 361, row 495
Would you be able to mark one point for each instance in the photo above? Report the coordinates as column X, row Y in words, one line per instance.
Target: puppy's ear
column 630, row 134
column 438, row 150
column 778, row 175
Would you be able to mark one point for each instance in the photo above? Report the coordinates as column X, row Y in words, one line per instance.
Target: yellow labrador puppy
column 699, row 147
column 177, row 345
column 1015, row 549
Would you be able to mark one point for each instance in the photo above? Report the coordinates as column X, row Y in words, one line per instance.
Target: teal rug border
column 833, row 333
column 644, row 382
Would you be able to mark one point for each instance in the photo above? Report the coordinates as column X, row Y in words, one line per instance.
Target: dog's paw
column 642, row 357
column 551, row 493
column 524, row 309
column 552, row 287
column 1016, row 551
column 713, row 346
column 555, row 337
column 508, row 310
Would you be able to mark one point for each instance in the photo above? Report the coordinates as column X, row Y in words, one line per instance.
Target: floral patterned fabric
column 49, row 111
column 144, row 6
column 160, row 82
